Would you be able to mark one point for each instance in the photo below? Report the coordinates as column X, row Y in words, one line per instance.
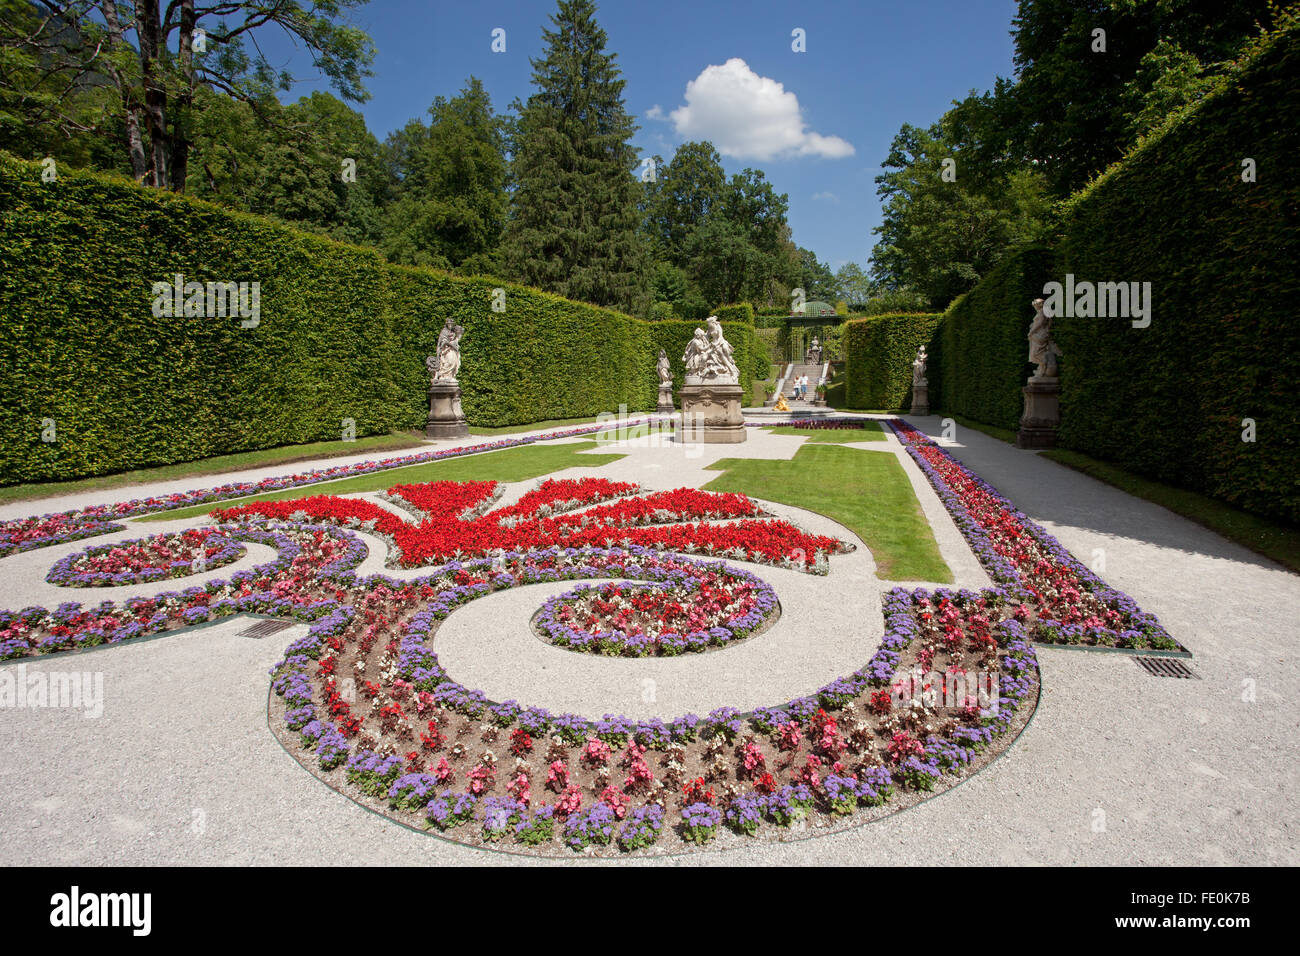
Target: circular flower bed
column 695, row 609
column 163, row 556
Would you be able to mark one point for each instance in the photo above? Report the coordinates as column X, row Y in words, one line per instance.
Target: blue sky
column 869, row 67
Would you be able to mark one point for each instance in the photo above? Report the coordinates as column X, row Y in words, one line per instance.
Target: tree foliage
column 574, row 226
column 157, row 61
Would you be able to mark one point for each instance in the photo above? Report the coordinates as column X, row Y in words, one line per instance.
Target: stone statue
column 815, row 352
column 918, row 367
column 665, row 373
column 448, row 362
column 1042, row 349
column 708, row 357
column 720, row 359
column 696, row 355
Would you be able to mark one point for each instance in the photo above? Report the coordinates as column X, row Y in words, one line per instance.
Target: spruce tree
column 574, row 222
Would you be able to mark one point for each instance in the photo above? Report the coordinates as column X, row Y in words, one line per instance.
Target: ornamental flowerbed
column 454, row 523
column 694, row 609
column 363, row 702
column 1060, row 600
column 160, row 557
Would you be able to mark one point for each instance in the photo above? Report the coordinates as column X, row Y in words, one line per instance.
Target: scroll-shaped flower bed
column 162, row 556
column 363, row 701
column 693, row 609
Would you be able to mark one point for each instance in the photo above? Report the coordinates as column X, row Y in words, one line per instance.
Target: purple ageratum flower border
column 668, row 643
column 1004, row 572
column 98, row 519
column 64, row 574
column 287, row 550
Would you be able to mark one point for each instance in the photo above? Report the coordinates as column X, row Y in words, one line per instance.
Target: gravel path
column 1116, row 766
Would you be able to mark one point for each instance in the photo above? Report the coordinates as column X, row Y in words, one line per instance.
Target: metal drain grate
column 261, row 629
column 1165, row 667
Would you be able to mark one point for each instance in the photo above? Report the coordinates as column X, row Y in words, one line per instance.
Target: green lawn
column 870, row 431
column 509, row 464
column 1277, row 541
column 866, row 491
column 213, row 466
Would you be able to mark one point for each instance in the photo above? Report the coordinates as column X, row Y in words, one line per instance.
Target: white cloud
column 654, row 113
column 831, row 196
column 747, row 116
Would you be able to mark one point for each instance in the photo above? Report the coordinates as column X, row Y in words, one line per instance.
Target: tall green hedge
column 1222, row 256
column 742, row 312
column 342, row 335
column 979, row 359
column 879, row 351
column 1170, row 400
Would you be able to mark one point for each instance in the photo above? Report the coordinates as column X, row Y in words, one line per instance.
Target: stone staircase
column 814, row 373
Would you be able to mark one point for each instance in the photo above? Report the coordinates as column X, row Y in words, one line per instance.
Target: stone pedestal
column 921, row 399
column 1042, row 413
column 665, row 399
column 712, row 413
column 446, row 420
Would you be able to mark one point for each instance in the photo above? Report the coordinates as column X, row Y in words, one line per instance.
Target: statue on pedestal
column 665, row 383
column 446, row 419
column 1042, row 415
column 711, row 396
column 814, row 355
column 920, row 384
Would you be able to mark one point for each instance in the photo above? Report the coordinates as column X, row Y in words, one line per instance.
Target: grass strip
column 866, row 491
column 221, row 464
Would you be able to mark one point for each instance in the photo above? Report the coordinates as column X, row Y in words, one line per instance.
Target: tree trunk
column 180, row 142
column 131, row 110
column 149, row 28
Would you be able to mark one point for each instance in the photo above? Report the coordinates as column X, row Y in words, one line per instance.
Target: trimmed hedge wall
column 879, row 351
column 1221, row 255
column 1223, row 345
column 342, row 334
column 979, row 358
column 743, row 312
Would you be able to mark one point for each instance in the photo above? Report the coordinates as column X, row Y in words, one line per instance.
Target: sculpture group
column 708, row 357
column 711, row 396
